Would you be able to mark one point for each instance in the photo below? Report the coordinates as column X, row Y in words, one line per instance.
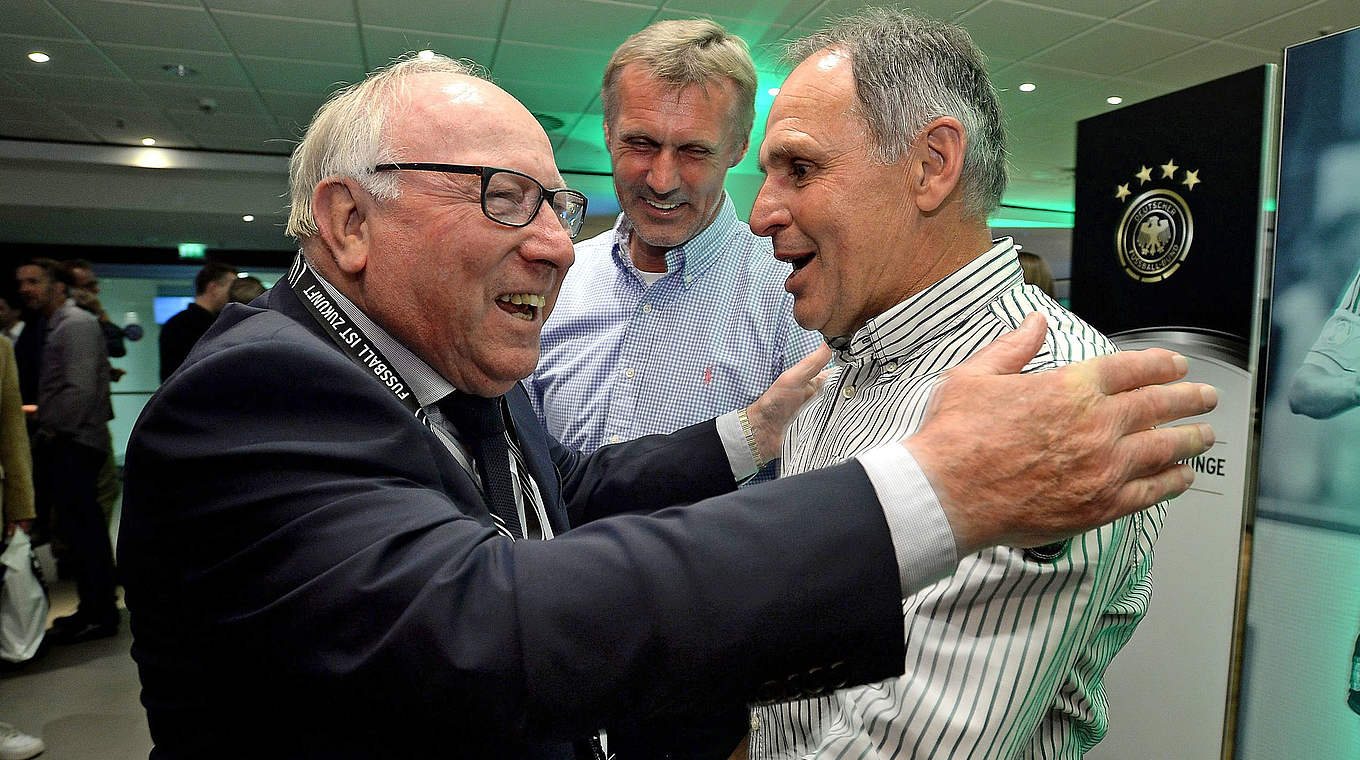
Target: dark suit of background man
column 317, row 529
column 212, row 286
column 71, row 443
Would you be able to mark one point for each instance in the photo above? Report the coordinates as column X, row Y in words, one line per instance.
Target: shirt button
column 848, row 391
column 613, row 439
column 689, row 277
column 891, row 366
column 755, row 722
column 628, row 373
column 646, row 308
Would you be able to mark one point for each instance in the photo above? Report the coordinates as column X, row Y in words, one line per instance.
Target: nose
column 550, row 242
column 663, row 172
column 769, row 214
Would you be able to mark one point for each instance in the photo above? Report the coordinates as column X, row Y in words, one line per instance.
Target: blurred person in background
column 212, row 289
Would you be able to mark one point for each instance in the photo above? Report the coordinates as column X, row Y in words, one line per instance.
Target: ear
column 740, row 153
column 940, row 150
column 341, row 210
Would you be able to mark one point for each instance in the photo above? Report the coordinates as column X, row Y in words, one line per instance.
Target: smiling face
column 441, row 277
column 671, row 149
column 844, row 221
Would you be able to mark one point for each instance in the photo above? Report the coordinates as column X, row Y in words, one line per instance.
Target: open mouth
column 799, row 262
column 659, row 206
column 523, row 306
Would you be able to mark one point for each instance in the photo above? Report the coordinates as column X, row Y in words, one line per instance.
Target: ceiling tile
column 69, row 57
column 315, row 10
column 1115, row 48
column 11, row 89
column 126, row 126
column 197, row 122
column 940, row 9
column 774, row 12
column 479, row 19
column 144, row 64
column 35, row 18
column 290, row 38
column 1093, row 102
column 993, row 27
column 64, row 131
column 16, row 109
column 1101, row 8
column 245, row 144
column 1201, row 64
column 384, row 45
column 584, row 24
column 300, row 76
column 226, row 100
column 543, row 63
column 159, row 26
column 1301, row 25
column 301, row 105
column 537, row 96
column 86, row 90
column 583, row 150
column 1050, row 84
column 1208, row 19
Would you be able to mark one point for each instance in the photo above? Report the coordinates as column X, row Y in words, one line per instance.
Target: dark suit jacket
column 311, row 574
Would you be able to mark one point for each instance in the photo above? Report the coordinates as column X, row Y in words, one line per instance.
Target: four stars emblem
column 1144, row 175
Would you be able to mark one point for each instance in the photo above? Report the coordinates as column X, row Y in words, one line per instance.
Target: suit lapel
column 533, row 444
column 456, row 482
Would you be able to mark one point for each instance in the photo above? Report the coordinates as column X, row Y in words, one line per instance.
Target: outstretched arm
column 1024, row 460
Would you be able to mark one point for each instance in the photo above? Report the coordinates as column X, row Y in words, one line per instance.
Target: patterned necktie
column 481, row 426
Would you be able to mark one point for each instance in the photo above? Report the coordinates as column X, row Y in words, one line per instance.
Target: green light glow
column 192, row 250
column 1270, row 205
column 1028, row 223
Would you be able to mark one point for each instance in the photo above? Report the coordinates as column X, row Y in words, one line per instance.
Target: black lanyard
column 347, row 335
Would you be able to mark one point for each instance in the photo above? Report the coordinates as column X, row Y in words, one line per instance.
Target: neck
column 645, row 256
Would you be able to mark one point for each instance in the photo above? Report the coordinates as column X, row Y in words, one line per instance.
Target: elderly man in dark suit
column 328, row 539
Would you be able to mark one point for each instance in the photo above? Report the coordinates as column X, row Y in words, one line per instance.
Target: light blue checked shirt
column 621, row 359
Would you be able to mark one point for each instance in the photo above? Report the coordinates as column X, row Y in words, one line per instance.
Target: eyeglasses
column 509, row 197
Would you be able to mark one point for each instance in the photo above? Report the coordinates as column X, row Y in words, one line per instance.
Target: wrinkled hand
column 771, row 413
column 1023, row 460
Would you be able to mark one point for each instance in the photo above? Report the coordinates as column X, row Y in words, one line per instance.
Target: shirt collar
column 695, row 255
column 935, row 311
column 425, row 382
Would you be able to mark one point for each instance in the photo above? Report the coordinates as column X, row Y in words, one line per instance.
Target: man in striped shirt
column 1328, row 381
column 884, row 154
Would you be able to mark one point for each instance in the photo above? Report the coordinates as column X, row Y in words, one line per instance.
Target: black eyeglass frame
column 486, row 173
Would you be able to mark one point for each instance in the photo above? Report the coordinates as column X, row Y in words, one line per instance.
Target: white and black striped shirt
column 1005, row 657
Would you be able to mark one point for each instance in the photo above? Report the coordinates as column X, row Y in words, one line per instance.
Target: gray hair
column 685, row 52
column 910, row 70
column 346, row 136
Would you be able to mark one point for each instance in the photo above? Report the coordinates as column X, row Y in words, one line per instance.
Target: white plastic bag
column 23, row 600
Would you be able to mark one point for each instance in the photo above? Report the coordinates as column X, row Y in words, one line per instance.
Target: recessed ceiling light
column 1027, row 87
column 178, row 69
column 37, row 56
column 248, row 218
column 425, row 55
column 1114, row 100
column 148, row 141
column 773, row 91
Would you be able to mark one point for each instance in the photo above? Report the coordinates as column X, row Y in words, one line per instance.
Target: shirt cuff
column 734, row 443
column 921, row 536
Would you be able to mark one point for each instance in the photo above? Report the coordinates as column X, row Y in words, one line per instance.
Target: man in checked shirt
column 678, row 313
column 884, row 155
